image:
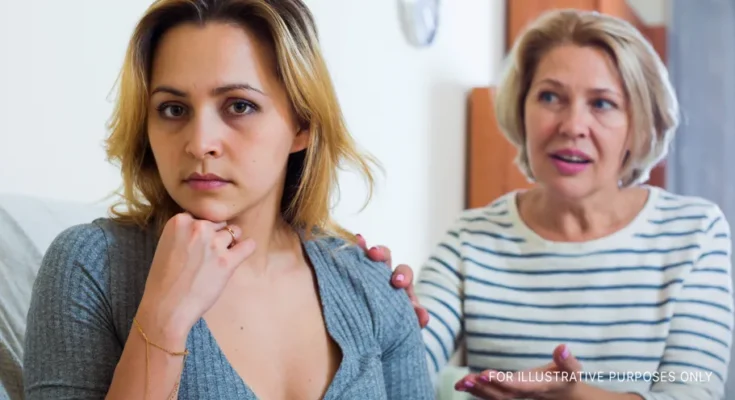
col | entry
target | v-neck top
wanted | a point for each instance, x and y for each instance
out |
(93, 276)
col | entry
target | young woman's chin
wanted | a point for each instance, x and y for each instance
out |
(211, 209)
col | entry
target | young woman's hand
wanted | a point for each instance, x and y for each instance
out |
(402, 277)
(193, 262)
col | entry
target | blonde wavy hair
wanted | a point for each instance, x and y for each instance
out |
(652, 104)
(289, 27)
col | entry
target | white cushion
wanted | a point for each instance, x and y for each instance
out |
(27, 227)
(43, 219)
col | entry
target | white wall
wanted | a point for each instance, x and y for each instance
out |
(405, 105)
(59, 62)
(652, 12)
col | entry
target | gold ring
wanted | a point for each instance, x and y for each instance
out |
(232, 233)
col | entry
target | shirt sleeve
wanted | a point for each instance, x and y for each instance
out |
(697, 354)
(405, 372)
(71, 348)
(439, 289)
(397, 330)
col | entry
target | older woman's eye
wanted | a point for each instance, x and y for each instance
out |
(240, 107)
(604, 104)
(547, 97)
(171, 111)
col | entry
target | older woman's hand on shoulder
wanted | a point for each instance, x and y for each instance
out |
(402, 277)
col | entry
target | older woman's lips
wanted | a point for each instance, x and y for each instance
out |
(570, 161)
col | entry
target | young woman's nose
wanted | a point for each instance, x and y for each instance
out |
(205, 135)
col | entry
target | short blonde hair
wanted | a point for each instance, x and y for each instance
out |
(652, 103)
(311, 174)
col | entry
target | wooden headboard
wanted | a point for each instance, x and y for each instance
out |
(490, 168)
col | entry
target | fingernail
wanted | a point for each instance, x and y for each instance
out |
(565, 353)
(484, 378)
(400, 278)
(469, 384)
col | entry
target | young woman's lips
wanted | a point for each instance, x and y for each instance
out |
(206, 182)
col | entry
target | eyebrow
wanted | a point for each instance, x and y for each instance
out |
(215, 92)
(556, 83)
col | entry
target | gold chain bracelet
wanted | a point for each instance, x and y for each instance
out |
(148, 343)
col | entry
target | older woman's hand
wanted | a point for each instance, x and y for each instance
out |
(554, 381)
(402, 277)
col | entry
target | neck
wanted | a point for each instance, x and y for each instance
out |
(272, 235)
(594, 216)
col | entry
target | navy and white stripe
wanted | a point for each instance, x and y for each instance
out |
(654, 297)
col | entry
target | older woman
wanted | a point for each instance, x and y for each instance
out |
(589, 270)
(218, 279)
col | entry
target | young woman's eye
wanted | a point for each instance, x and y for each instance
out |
(240, 107)
(171, 110)
(548, 97)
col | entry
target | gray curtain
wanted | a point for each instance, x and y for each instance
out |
(702, 66)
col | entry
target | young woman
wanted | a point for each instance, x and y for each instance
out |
(222, 276)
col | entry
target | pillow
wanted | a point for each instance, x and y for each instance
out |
(19, 263)
(28, 224)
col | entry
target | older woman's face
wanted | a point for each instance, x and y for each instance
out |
(220, 123)
(576, 121)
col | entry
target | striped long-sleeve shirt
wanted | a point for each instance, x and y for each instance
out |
(648, 309)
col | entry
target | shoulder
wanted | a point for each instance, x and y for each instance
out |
(349, 262)
(688, 225)
(91, 241)
(83, 242)
(496, 225)
(353, 274)
(670, 211)
(666, 200)
(84, 251)
(73, 272)
(498, 213)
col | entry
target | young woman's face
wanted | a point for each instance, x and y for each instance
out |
(576, 121)
(220, 123)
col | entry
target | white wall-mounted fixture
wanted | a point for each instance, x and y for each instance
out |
(419, 20)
